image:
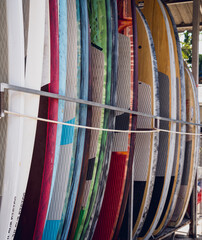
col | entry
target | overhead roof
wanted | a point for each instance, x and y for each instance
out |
(182, 12)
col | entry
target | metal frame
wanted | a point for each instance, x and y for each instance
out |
(5, 86)
(196, 22)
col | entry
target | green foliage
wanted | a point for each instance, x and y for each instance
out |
(186, 45)
(200, 65)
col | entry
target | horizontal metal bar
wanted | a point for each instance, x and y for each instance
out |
(168, 231)
(4, 86)
(1, 104)
(174, 2)
(187, 25)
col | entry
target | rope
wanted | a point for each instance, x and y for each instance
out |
(99, 129)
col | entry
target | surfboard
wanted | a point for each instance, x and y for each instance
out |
(106, 141)
(160, 29)
(58, 204)
(61, 106)
(25, 229)
(98, 24)
(84, 167)
(62, 83)
(82, 116)
(71, 133)
(127, 25)
(117, 172)
(180, 139)
(34, 67)
(97, 74)
(191, 151)
(12, 72)
(51, 128)
(112, 7)
(146, 155)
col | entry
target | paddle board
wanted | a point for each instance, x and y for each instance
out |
(28, 215)
(51, 127)
(55, 216)
(82, 116)
(106, 141)
(61, 106)
(191, 151)
(160, 29)
(12, 72)
(127, 25)
(180, 139)
(146, 155)
(71, 139)
(98, 24)
(84, 167)
(97, 74)
(111, 9)
(62, 83)
(34, 67)
(118, 166)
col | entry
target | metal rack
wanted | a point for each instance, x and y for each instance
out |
(3, 86)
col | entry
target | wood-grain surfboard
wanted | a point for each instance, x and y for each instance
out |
(191, 150)
(180, 139)
(146, 145)
(160, 29)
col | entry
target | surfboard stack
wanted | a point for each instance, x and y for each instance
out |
(60, 181)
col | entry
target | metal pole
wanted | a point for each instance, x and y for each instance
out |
(195, 71)
(195, 40)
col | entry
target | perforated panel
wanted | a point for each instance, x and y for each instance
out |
(120, 140)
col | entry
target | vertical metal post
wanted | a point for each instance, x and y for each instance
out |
(195, 40)
(195, 71)
(130, 208)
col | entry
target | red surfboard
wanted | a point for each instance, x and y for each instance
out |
(51, 128)
(128, 26)
(118, 181)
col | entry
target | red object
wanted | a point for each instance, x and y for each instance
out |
(120, 172)
(199, 197)
(126, 10)
(113, 197)
(51, 128)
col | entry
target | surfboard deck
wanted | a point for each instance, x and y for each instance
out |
(12, 72)
(61, 190)
(118, 167)
(84, 91)
(96, 75)
(34, 69)
(129, 28)
(180, 139)
(113, 21)
(146, 155)
(191, 151)
(52, 232)
(70, 134)
(51, 128)
(106, 141)
(25, 229)
(158, 23)
(97, 19)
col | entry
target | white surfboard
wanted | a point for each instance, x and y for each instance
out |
(11, 30)
(33, 79)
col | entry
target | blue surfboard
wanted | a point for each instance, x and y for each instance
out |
(82, 117)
